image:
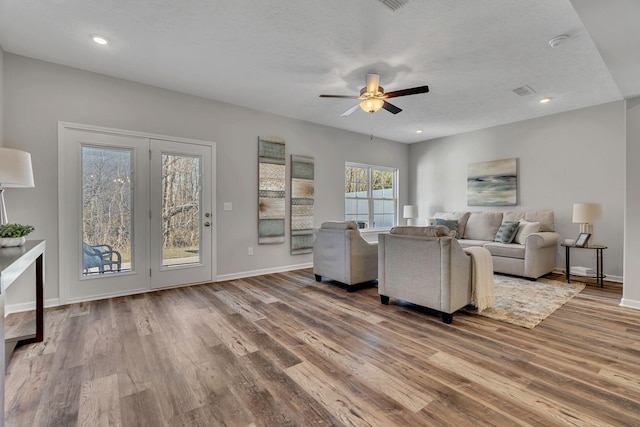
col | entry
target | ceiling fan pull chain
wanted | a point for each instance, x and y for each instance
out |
(371, 114)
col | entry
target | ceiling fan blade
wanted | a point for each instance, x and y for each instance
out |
(373, 82)
(405, 92)
(350, 110)
(391, 108)
(339, 96)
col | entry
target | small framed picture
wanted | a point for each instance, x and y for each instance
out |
(582, 240)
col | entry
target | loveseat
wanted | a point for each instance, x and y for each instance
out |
(528, 251)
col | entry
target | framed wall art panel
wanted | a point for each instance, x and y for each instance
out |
(302, 197)
(271, 190)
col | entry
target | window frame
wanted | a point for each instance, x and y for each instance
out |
(370, 198)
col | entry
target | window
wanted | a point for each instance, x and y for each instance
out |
(370, 195)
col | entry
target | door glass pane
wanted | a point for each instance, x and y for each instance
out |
(181, 195)
(107, 201)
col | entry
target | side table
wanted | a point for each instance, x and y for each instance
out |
(599, 262)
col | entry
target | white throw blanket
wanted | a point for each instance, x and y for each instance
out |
(481, 277)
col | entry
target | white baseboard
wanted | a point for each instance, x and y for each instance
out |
(29, 306)
(629, 303)
(55, 302)
(243, 274)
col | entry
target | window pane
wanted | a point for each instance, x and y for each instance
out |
(363, 207)
(380, 197)
(180, 210)
(382, 181)
(107, 201)
(356, 181)
(350, 207)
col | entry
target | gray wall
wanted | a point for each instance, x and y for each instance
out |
(563, 159)
(631, 294)
(39, 94)
(1, 97)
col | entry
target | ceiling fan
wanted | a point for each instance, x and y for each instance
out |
(373, 96)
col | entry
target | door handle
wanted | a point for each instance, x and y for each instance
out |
(207, 224)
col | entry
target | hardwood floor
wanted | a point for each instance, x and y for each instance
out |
(283, 350)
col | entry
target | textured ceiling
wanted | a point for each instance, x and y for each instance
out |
(278, 55)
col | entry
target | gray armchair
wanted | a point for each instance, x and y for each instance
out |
(433, 272)
(342, 254)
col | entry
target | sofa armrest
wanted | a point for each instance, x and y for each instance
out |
(542, 239)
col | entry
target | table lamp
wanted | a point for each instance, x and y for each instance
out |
(586, 214)
(15, 172)
(410, 213)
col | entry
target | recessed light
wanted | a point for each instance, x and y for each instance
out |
(99, 39)
(545, 100)
(419, 131)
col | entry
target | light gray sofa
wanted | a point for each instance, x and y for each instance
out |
(433, 272)
(342, 254)
(530, 255)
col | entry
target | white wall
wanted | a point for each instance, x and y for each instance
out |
(564, 158)
(39, 94)
(631, 294)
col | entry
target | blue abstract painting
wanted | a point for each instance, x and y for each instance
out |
(493, 183)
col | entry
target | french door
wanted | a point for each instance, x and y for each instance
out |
(181, 216)
(135, 212)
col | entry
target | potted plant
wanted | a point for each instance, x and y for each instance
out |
(14, 234)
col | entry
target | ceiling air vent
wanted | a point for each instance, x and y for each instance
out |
(394, 4)
(523, 91)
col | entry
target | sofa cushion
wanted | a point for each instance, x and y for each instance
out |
(507, 232)
(430, 231)
(545, 218)
(462, 218)
(483, 225)
(340, 225)
(506, 250)
(450, 224)
(468, 243)
(524, 229)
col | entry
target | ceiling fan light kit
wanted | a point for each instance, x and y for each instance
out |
(373, 96)
(372, 105)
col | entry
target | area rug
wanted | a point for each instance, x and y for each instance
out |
(526, 303)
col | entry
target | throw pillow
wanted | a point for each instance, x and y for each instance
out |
(524, 229)
(507, 232)
(451, 224)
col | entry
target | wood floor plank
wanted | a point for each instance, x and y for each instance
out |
(402, 392)
(100, 403)
(142, 410)
(240, 305)
(285, 350)
(513, 391)
(258, 294)
(341, 403)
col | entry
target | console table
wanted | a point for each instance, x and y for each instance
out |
(14, 262)
(599, 262)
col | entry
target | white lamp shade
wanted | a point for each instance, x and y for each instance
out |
(15, 169)
(410, 212)
(586, 213)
